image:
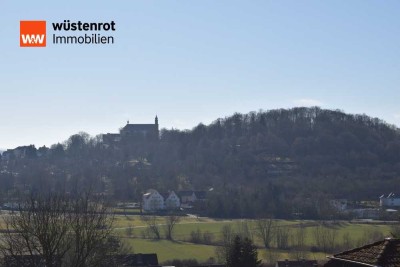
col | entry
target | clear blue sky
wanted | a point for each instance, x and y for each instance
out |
(195, 61)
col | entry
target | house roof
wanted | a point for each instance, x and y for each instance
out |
(167, 194)
(137, 259)
(199, 194)
(133, 260)
(149, 193)
(185, 193)
(300, 263)
(385, 253)
(23, 260)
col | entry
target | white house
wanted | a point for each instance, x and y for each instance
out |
(172, 200)
(152, 201)
(390, 201)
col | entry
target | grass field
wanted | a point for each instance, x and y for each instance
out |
(181, 248)
(167, 250)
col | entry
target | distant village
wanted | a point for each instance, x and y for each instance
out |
(389, 204)
(387, 209)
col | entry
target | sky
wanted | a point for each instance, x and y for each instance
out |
(195, 61)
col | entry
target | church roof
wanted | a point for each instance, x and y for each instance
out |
(139, 127)
(385, 253)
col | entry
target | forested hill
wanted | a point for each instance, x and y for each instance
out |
(275, 162)
(310, 149)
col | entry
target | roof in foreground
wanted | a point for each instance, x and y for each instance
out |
(297, 263)
(385, 253)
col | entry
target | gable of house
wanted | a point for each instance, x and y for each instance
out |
(152, 200)
(172, 200)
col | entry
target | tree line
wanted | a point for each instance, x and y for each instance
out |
(285, 163)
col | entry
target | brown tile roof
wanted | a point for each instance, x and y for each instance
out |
(385, 253)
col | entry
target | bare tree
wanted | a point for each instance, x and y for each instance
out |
(266, 230)
(227, 236)
(152, 225)
(282, 237)
(208, 237)
(299, 242)
(170, 222)
(244, 230)
(325, 237)
(91, 226)
(39, 227)
(369, 236)
(347, 241)
(57, 230)
(195, 236)
(129, 230)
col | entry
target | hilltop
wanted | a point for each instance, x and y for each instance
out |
(267, 162)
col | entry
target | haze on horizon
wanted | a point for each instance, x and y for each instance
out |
(192, 62)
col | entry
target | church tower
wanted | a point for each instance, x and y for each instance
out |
(156, 126)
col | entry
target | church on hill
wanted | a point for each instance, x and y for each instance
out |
(142, 129)
(149, 131)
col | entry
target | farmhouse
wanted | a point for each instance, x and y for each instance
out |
(152, 201)
(172, 200)
(390, 201)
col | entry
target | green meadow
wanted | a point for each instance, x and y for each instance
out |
(355, 234)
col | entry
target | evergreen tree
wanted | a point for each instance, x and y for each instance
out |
(242, 253)
(249, 254)
(234, 255)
